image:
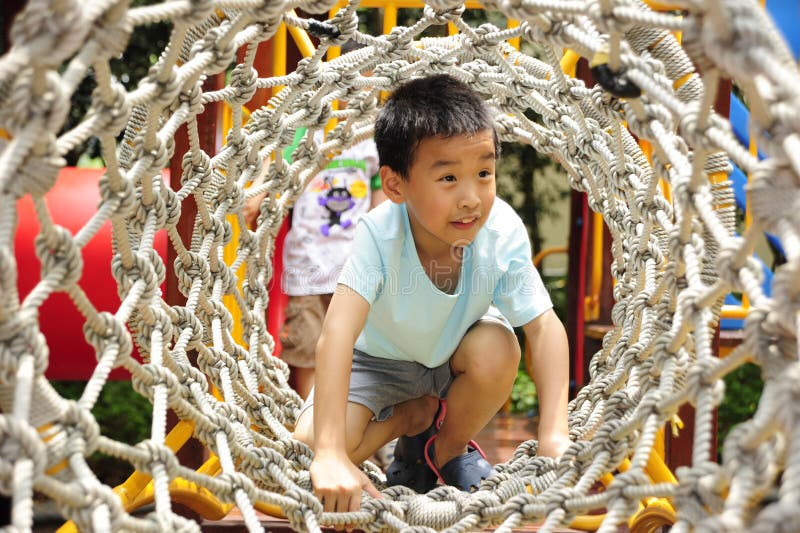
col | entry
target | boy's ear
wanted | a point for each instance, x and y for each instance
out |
(392, 184)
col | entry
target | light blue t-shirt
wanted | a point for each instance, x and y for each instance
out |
(410, 319)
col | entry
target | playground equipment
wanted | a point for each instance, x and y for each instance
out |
(674, 249)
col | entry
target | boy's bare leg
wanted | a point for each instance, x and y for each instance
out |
(485, 366)
(364, 435)
(302, 380)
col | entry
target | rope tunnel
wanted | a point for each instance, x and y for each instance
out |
(644, 143)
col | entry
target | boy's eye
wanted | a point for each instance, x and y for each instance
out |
(485, 173)
(449, 178)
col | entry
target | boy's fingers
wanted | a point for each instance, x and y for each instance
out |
(328, 502)
(355, 502)
(343, 504)
(370, 488)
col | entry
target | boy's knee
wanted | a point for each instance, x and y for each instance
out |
(304, 429)
(418, 414)
(495, 355)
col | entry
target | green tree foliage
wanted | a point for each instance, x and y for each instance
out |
(123, 415)
(743, 389)
(144, 47)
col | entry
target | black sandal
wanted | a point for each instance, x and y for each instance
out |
(465, 472)
(409, 467)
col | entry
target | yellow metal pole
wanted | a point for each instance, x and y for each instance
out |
(303, 42)
(569, 62)
(592, 308)
(389, 17)
(451, 29)
(279, 55)
(515, 42)
(538, 258)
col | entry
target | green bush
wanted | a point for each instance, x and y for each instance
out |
(743, 389)
(122, 414)
(523, 395)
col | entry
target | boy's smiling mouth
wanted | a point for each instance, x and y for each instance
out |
(466, 222)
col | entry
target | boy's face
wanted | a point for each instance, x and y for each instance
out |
(450, 190)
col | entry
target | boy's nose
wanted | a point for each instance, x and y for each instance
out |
(470, 199)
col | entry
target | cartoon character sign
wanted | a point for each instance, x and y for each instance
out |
(337, 200)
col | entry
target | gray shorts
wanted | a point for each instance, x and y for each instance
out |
(379, 384)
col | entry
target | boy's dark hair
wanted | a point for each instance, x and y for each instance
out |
(434, 106)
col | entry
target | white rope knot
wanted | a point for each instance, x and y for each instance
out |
(213, 360)
(105, 333)
(444, 11)
(216, 48)
(49, 32)
(20, 441)
(62, 262)
(140, 269)
(82, 429)
(156, 454)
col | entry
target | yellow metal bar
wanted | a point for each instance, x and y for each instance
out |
(658, 470)
(659, 447)
(131, 490)
(592, 304)
(187, 493)
(68, 527)
(333, 53)
(734, 311)
(652, 511)
(279, 55)
(389, 16)
(303, 42)
(655, 5)
(513, 23)
(655, 515)
(538, 258)
(569, 62)
(389, 22)
(647, 150)
(682, 80)
(748, 211)
(407, 4)
(587, 522)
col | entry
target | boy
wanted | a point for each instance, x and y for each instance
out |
(411, 318)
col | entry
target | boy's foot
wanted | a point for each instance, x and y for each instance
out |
(465, 472)
(409, 467)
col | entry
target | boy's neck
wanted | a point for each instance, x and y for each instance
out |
(443, 269)
(440, 260)
(445, 255)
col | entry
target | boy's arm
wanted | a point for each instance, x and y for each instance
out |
(550, 365)
(252, 206)
(336, 480)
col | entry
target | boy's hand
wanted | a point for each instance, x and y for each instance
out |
(553, 445)
(338, 483)
(251, 209)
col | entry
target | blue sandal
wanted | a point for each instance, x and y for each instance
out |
(410, 467)
(465, 472)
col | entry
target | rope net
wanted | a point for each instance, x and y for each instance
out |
(673, 260)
